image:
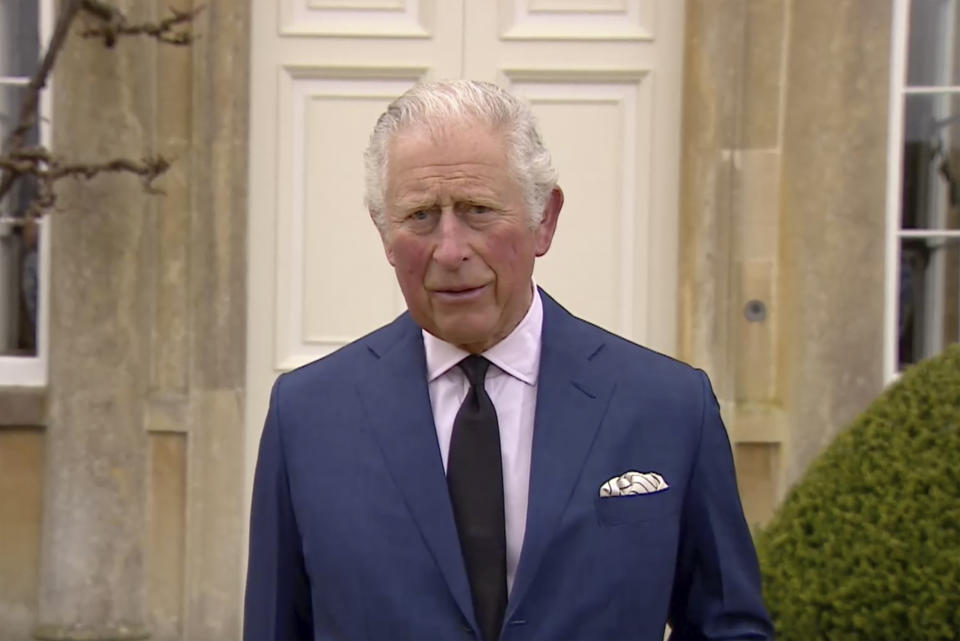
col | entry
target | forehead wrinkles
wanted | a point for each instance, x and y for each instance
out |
(449, 163)
(448, 182)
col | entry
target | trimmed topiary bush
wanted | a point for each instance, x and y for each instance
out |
(867, 545)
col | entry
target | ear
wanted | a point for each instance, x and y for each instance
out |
(387, 248)
(548, 225)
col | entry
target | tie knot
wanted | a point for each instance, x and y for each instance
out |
(475, 367)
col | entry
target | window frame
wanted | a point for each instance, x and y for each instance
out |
(31, 371)
(900, 91)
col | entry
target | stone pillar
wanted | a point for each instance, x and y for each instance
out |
(833, 202)
(782, 215)
(143, 528)
(92, 555)
(729, 304)
(217, 298)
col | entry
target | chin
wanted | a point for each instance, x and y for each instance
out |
(461, 338)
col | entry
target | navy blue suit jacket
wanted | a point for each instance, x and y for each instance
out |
(352, 533)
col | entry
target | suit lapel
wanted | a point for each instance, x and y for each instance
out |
(572, 396)
(398, 404)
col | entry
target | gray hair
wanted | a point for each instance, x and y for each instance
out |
(434, 105)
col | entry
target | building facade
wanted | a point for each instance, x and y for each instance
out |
(733, 170)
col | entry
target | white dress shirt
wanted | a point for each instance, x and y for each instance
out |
(511, 384)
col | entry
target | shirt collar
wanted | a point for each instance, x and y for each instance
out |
(518, 354)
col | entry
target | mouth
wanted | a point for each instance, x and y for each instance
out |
(458, 294)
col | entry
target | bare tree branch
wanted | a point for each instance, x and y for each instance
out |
(17, 161)
(28, 109)
(39, 163)
(170, 30)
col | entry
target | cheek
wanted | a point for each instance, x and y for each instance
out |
(409, 259)
(510, 257)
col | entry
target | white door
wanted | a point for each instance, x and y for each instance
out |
(604, 77)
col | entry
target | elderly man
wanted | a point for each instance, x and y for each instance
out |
(488, 466)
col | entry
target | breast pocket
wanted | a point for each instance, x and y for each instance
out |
(637, 508)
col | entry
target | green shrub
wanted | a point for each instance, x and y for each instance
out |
(867, 545)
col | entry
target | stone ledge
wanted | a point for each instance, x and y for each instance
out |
(23, 406)
(83, 633)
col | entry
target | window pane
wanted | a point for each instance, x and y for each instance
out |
(18, 249)
(931, 162)
(931, 56)
(929, 304)
(19, 41)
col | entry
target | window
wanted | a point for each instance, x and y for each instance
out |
(24, 26)
(923, 194)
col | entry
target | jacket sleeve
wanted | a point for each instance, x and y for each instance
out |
(277, 601)
(716, 593)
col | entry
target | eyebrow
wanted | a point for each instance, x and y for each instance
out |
(416, 202)
(424, 200)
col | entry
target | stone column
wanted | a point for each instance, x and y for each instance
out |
(217, 299)
(782, 223)
(92, 554)
(729, 304)
(832, 212)
(143, 529)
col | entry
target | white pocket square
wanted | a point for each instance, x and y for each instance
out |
(630, 483)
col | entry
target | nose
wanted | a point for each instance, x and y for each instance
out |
(452, 248)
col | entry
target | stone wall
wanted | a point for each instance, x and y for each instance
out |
(782, 222)
(138, 525)
(22, 413)
(140, 452)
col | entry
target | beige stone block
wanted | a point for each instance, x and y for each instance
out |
(170, 338)
(732, 75)
(21, 495)
(166, 413)
(762, 73)
(214, 525)
(705, 254)
(217, 243)
(755, 347)
(173, 124)
(713, 56)
(170, 335)
(758, 423)
(755, 211)
(757, 474)
(174, 75)
(166, 535)
(23, 406)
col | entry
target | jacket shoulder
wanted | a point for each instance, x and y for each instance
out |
(636, 358)
(347, 362)
(631, 360)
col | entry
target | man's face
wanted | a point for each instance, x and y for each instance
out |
(458, 234)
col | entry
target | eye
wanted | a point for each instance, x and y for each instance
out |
(422, 215)
(480, 209)
(421, 220)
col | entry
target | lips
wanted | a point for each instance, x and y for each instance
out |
(457, 290)
(458, 293)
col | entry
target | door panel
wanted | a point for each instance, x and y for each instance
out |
(592, 264)
(327, 249)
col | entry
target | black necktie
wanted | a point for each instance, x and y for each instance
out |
(475, 479)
